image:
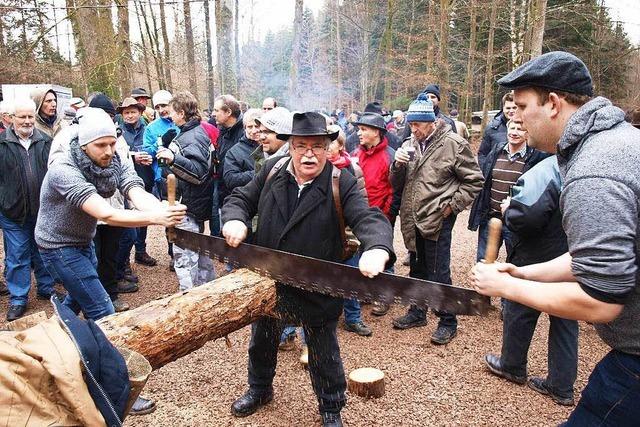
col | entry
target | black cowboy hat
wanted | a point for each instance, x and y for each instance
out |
(373, 120)
(308, 124)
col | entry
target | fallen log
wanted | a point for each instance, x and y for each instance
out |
(168, 328)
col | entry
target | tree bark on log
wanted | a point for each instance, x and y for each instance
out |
(168, 328)
(367, 382)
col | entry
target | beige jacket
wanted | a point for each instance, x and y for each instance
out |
(447, 173)
(41, 377)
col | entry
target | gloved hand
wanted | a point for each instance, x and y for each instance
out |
(168, 137)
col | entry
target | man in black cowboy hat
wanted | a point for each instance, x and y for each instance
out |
(297, 215)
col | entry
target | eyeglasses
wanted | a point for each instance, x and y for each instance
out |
(267, 108)
(303, 149)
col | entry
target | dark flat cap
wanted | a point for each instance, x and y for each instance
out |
(558, 70)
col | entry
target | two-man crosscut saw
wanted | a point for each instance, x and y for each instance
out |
(331, 278)
(335, 279)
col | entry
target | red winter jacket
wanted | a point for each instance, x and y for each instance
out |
(375, 164)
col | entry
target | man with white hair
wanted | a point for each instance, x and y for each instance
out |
(6, 115)
(24, 152)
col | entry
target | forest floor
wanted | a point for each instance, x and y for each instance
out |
(425, 384)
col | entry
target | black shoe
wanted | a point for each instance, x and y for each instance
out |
(3, 289)
(15, 312)
(129, 275)
(145, 259)
(60, 295)
(538, 384)
(409, 320)
(359, 328)
(330, 419)
(443, 335)
(172, 264)
(142, 406)
(379, 308)
(125, 287)
(495, 366)
(250, 402)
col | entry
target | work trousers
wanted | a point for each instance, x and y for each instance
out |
(107, 243)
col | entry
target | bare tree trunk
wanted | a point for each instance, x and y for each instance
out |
(465, 106)
(383, 49)
(156, 41)
(166, 46)
(538, 13)
(224, 29)
(236, 46)
(429, 58)
(488, 75)
(207, 32)
(443, 57)
(144, 48)
(155, 54)
(296, 53)
(338, 53)
(191, 56)
(410, 39)
(166, 329)
(125, 63)
(219, 38)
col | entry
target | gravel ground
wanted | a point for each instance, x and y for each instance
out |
(425, 384)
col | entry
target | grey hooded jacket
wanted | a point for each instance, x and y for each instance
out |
(598, 156)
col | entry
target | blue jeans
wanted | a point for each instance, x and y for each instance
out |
(352, 309)
(562, 359)
(483, 234)
(214, 224)
(432, 261)
(21, 253)
(612, 394)
(141, 240)
(76, 266)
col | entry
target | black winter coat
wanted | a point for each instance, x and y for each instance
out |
(191, 167)
(494, 134)
(308, 226)
(482, 204)
(534, 216)
(20, 186)
(239, 164)
(228, 138)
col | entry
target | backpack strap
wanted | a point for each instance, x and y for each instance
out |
(335, 187)
(279, 164)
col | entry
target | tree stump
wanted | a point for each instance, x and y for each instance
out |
(367, 382)
(168, 328)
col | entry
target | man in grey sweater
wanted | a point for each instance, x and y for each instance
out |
(597, 280)
(73, 200)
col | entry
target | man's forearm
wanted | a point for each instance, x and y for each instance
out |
(556, 270)
(567, 300)
(142, 200)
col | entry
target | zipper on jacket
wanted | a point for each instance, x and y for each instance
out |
(87, 370)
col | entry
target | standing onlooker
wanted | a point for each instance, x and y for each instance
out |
(239, 164)
(188, 158)
(47, 119)
(461, 127)
(226, 110)
(503, 166)
(141, 95)
(353, 141)
(533, 216)
(269, 104)
(24, 152)
(433, 93)
(6, 115)
(496, 132)
(439, 177)
(271, 124)
(152, 141)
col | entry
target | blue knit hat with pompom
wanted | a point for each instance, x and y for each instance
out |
(421, 110)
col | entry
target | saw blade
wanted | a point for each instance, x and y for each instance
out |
(335, 279)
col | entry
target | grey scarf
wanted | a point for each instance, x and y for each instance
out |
(105, 180)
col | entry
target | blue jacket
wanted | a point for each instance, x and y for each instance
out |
(134, 135)
(534, 216)
(494, 134)
(152, 132)
(481, 205)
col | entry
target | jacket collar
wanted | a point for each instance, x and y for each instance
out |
(374, 150)
(10, 135)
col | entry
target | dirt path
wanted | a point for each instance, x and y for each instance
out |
(426, 384)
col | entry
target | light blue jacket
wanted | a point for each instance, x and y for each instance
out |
(152, 132)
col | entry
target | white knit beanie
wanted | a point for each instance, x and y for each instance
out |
(162, 97)
(94, 123)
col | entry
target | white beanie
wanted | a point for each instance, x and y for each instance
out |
(278, 120)
(94, 123)
(162, 97)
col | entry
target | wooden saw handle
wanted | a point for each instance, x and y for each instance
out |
(493, 241)
(171, 189)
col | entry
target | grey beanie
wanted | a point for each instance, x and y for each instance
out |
(94, 123)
